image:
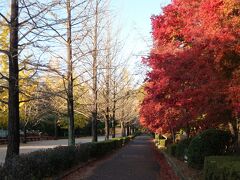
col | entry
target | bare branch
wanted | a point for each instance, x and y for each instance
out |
(3, 77)
(5, 18)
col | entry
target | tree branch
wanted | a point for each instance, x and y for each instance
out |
(5, 52)
(5, 18)
(3, 77)
(4, 102)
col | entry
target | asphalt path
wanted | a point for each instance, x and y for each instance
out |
(135, 161)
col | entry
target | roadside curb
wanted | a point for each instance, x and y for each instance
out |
(174, 166)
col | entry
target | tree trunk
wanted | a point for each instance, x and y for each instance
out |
(13, 90)
(70, 101)
(238, 136)
(113, 125)
(94, 110)
(108, 91)
(173, 135)
(94, 127)
(108, 74)
(233, 127)
(131, 130)
(107, 125)
(56, 129)
(128, 133)
(108, 103)
(188, 131)
(114, 112)
(123, 131)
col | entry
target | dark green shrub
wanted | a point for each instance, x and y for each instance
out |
(126, 139)
(39, 164)
(50, 162)
(208, 143)
(168, 142)
(98, 149)
(58, 156)
(2, 172)
(118, 142)
(83, 152)
(137, 133)
(182, 147)
(222, 167)
(171, 149)
(21, 167)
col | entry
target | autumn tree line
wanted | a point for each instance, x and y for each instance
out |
(194, 81)
(61, 64)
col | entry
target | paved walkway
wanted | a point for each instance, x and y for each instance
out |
(136, 161)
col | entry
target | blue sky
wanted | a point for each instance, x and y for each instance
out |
(133, 16)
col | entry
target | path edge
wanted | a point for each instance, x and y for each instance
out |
(174, 166)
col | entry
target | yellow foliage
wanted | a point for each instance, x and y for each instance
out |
(29, 85)
(4, 36)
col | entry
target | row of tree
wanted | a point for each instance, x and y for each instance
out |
(195, 61)
(60, 59)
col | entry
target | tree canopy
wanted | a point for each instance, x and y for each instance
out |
(194, 79)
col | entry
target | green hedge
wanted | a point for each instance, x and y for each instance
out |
(2, 172)
(222, 168)
(182, 148)
(137, 133)
(208, 143)
(100, 148)
(171, 149)
(50, 162)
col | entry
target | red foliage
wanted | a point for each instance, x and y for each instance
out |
(195, 61)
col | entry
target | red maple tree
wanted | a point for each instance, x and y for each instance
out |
(194, 79)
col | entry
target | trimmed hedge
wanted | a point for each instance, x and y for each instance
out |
(50, 162)
(2, 172)
(97, 149)
(137, 133)
(171, 149)
(182, 148)
(208, 143)
(222, 167)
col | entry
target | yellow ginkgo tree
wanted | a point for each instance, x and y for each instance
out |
(4, 35)
(28, 86)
